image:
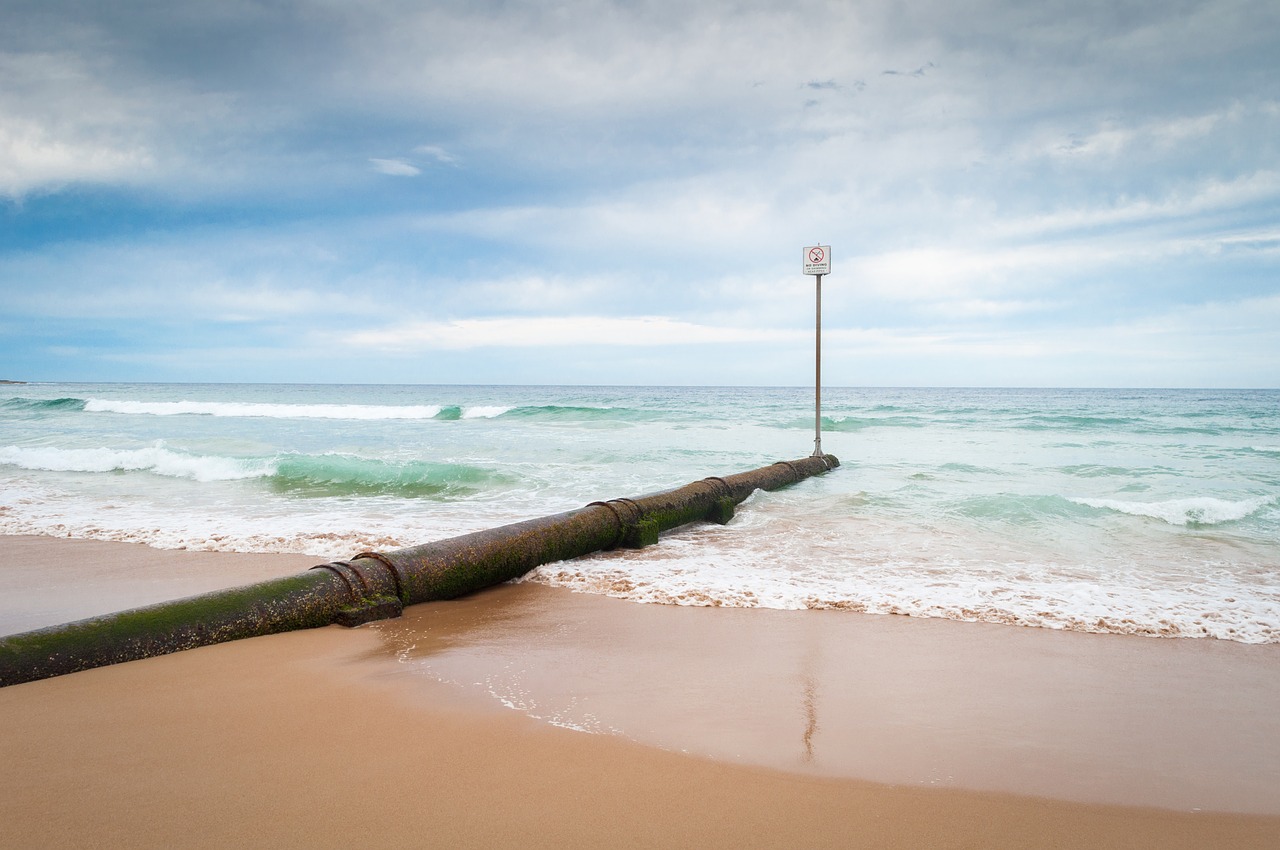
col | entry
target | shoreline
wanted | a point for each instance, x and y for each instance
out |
(309, 738)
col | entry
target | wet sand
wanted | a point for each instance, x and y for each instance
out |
(1180, 724)
(381, 735)
(47, 581)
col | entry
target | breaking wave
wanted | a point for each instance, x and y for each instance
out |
(1198, 511)
(263, 410)
(154, 459)
(329, 474)
(362, 412)
(43, 404)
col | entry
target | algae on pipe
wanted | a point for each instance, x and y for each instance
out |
(377, 585)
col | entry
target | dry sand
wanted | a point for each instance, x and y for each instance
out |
(339, 737)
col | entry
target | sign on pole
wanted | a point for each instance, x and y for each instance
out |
(817, 262)
(817, 259)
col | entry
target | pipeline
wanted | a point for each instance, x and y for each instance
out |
(377, 585)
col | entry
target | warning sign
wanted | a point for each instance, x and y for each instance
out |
(817, 259)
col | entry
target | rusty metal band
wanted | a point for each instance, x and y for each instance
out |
(396, 578)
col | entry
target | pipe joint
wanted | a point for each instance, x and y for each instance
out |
(723, 503)
(634, 530)
(373, 589)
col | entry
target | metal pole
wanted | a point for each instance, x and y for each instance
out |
(817, 376)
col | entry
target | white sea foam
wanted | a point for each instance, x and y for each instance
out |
(263, 410)
(278, 538)
(333, 528)
(326, 533)
(484, 412)
(1218, 605)
(1203, 510)
(154, 459)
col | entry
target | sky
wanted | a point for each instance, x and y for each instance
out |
(1069, 193)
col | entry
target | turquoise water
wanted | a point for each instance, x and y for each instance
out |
(1135, 511)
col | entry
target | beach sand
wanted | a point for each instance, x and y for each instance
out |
(396, 734)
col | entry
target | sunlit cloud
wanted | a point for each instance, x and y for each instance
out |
(32, 159)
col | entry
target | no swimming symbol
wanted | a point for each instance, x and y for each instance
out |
(817, 259)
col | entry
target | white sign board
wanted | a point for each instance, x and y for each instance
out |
(817, 259)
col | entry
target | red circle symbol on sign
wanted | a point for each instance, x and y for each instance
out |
(816, 255)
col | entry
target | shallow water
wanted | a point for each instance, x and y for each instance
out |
(1133, 511)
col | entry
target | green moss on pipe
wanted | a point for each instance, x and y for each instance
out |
(295, 602)
(376, 585)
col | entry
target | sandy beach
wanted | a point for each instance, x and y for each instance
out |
(462, 725)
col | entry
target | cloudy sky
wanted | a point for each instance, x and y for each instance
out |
(1070, 193)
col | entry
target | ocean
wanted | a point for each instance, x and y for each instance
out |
(1150, 512)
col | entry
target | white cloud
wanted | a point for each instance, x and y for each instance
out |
(233, 276)
(59, 124)
(545, 331)
(969, 279)
(267, 300)
(31, 158)
(1143, 137)
(1215, 344)
(537, 293)
(437, 153)
(395, 167)
(1264, 240)
(1188, 198)
(1222, 321)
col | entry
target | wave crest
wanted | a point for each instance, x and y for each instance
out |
(154, 459)
(324, 475)
(40, 404)
(350, 475)
(1198, 511)
(263, 410)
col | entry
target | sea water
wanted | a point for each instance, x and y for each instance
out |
(1152, 512)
